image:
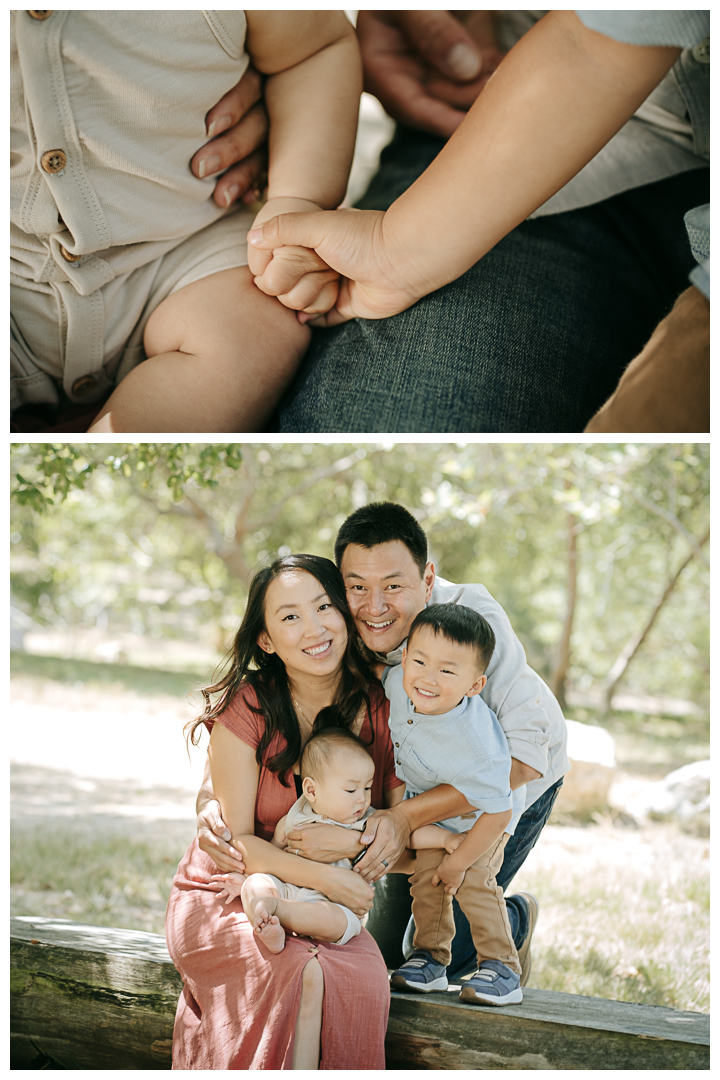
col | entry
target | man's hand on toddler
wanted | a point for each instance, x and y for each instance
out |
(228, 885)
(447, 875)
(354, 244)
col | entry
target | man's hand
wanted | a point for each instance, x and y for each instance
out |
(450, 875)
(353, 243)
(426, 67)
(323, 843)
(386, 834)
(344, 887)
(242, 148)
(213, 835)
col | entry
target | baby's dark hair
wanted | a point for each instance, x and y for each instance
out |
(320, 748)
(459, 624)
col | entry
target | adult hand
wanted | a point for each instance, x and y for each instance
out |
(386, 835)
(242, 148)
(213, 835)
(323, 843)
(667, 387)
(426, 67)
(344, 887)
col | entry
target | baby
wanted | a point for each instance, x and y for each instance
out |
(125, 273)
(337, 774)
(444, 733)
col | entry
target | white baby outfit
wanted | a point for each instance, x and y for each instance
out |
(301, 813)
(107, 220)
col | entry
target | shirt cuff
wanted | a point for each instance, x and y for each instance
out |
(528, 753)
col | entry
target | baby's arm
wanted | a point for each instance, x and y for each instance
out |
(312, 93)
(434, 836)
(279, 835)
(558, 96)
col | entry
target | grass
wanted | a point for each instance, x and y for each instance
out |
(105, 677)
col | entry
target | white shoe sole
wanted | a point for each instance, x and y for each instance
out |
(469, 993)
(399, 982)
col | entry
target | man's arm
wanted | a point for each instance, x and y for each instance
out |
(388, 831)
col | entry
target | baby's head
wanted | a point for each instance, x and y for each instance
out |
(337, 773)
(448, 648)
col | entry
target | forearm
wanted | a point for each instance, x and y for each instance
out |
(313, 110)
(206, 793)
(437, 804)
(485, 832)
(260, 856)
(520, 774)
(427, 836)
(560, 94)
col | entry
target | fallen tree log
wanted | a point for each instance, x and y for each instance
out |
(93, 997)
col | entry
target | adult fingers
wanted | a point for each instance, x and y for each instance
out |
(245, 181)
(442, 41)
(235, 144)
(235, 104)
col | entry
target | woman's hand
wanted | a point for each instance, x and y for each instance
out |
(323, 843)
(344, 887)
(354, 244)
(242, 148)
(213, 835)
(426, 67)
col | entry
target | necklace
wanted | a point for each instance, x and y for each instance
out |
(300, 713)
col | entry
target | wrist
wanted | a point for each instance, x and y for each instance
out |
(409, 257)
(286, 204)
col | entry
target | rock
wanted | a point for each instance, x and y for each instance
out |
(682, 796)
(592, 766)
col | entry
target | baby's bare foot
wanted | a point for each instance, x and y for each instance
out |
(267, 925)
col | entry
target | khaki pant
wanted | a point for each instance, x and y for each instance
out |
(481, 900)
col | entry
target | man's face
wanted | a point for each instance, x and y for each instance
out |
(385, 592)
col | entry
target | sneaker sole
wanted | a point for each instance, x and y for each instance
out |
(468, 993)
(399, 982)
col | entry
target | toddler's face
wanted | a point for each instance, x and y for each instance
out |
(343, 792)
(438, 674)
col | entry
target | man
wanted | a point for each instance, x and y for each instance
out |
(381, 551)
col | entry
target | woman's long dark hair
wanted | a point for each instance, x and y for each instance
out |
(265, 672)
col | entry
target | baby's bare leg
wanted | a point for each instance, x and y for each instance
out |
(259, 897)
(220, 355)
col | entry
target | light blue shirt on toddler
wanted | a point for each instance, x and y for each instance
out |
(465, 747)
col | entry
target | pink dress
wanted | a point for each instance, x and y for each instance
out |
(239, 1003)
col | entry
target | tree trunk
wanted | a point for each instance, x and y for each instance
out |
(619, 668)
(562, 659)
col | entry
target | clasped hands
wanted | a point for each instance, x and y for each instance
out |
(329, 266)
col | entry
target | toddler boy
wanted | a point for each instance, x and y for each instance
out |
(444, 733)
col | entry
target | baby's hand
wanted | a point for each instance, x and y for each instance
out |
(298, 277)
(448, 876)
(453, 841)
(228, 885)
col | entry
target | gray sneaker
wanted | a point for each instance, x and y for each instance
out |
(419, 972)
(493, 984)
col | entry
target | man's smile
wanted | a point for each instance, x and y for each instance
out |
(378, 625)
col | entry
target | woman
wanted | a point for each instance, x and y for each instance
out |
(295, 666)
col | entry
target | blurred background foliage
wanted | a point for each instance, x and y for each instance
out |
(598, 552)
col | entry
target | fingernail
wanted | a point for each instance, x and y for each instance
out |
(222, 123)
(255, 236)
(231, 194)
(209, 165)
(463, 61)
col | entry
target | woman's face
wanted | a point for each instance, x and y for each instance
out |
(308, 634)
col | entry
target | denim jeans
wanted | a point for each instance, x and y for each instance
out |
(532, 338)
(389, 917)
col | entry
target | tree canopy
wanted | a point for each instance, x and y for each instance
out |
(598, 552)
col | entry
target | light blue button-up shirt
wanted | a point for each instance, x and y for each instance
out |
(465, 747)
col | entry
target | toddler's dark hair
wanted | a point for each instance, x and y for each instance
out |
(320, 748)
(459, 624)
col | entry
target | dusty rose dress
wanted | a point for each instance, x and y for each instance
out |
(239, 1003)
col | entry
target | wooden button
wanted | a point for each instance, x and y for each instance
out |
(54, 161)
(40, 15)
(68, 255)
(409, 721)
(84, 385)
